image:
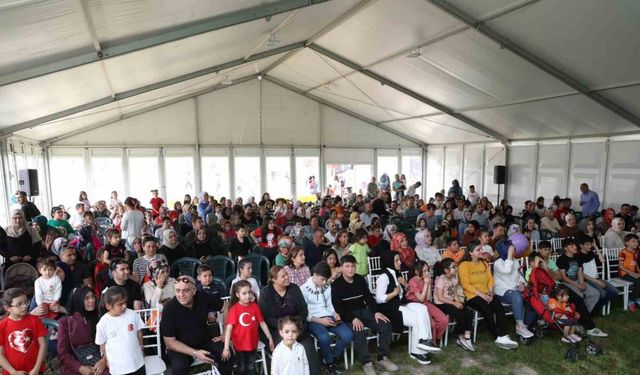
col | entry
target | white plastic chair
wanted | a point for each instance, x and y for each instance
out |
(374, 264)
(333, 337)
(154, 365)
(612, 257)
(372, 280)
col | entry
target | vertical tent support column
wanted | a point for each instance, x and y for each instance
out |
(232, 175)
(163, 175)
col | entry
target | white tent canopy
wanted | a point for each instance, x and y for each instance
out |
(467, 81)
(437, 71)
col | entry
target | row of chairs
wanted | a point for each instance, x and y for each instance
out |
(223, 267)
(607, 271)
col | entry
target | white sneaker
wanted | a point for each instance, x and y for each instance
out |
(469, 345)
(524, 332)
(575, 338)
(504, 342)
(596, 332)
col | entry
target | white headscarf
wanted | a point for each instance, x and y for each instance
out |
(16, 231)
(387, 232)
(165, 238)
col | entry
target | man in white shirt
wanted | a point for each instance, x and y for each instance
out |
(368, 215)
(473, 197)
(77, 219)
(481, 217)
(458, 213)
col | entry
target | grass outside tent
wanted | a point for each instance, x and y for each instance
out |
(621, 354)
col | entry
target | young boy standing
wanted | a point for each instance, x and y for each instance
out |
(629, 269)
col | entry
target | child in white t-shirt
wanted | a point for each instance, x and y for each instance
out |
(48, 288)
(289, 358)
(119, 334)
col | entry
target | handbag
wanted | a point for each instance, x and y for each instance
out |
(87, 355)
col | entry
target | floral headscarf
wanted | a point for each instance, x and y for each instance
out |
(155, 267)
(387, 232)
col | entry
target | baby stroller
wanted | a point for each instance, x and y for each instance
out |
(541, 284)
(21, 275)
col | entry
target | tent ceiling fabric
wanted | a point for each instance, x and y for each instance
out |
(467, 74)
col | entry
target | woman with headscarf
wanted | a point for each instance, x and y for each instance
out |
(78, 329)
(160, 288)
(400, 245)
(171, 247)
(614, 238)
(425, 251)
(202, 247)
(42, 226)
(455, 188)
(391, 293)
(23, 241)
(354, 222)
(384, 245)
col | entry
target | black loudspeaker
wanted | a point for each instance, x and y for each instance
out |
(499, 174)
(28, 181)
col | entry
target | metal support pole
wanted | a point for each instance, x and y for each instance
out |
(125, 172)
(232, 175)
(568, 174)
(535, 171)
(605, 171)
(197, 164)
(162, 174)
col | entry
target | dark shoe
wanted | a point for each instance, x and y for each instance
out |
(423, 359)
(331, 369)
(428, 345)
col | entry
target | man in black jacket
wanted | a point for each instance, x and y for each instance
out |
(30, 210)
(354, 303)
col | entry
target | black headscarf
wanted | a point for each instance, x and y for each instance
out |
(75, 304)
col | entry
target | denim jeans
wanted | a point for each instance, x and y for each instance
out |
(607, 293)
(321, 333)
(520, 310)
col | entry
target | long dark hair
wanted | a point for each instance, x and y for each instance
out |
(111, 296)
(265, 227)
(467, 252)
(236, 289)
(439, 267)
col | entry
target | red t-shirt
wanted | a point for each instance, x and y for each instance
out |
(19, 340)
(245, 321)
(272, 237)
(156, 203)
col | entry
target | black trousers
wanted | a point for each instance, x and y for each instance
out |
(463, 317)
(493, 314)
(246, 363)
(180, 363)
(140, 371)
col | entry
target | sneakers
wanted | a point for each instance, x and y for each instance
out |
(368, 369)
(504, 342)
(566, 340)
(465, 344)
(524, 332)
(575, 338)
(469, 345)
(423, 359)
(387, 365)
(632, 307)
(596, 332)
(428, 345)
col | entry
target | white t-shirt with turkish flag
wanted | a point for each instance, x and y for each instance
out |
(120, 334)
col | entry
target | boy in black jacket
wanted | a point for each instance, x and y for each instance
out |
(354, 303)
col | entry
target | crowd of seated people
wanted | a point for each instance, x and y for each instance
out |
(103, 260)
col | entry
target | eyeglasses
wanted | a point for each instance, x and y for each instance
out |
(21, 304)
(186, 279)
